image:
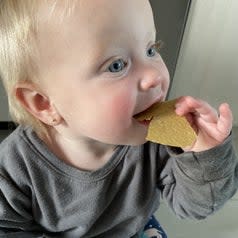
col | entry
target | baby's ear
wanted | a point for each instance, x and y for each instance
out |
(37, 103)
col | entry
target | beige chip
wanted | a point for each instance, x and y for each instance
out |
(166, 127)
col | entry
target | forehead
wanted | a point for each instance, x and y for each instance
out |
(88, 26)
(97, 16)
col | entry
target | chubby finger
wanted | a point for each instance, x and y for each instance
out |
(199, 108)
(225, 121)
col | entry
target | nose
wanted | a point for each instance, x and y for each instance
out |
(149, 78)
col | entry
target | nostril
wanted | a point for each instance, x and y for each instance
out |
(148, 83)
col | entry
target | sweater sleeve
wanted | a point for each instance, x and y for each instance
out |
(196, 185)
(15, 211)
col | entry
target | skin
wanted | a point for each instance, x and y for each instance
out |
(90, 110)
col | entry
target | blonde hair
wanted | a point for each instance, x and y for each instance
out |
(18, 50)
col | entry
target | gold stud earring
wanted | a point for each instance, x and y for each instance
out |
(54, 122)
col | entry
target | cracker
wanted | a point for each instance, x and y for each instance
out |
(166, 127)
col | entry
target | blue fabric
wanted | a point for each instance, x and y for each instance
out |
(153, 229)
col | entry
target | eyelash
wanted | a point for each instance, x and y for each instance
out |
(156, 46)
(159, 44)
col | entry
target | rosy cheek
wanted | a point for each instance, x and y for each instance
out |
(121, 109)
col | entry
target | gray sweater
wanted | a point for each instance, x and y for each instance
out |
(41, 196)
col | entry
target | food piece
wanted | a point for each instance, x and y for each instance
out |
(166, 127)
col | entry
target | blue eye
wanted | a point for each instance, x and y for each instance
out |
(117, 66)
(154, 49)
(151, 52)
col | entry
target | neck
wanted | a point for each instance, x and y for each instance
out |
(85, 154)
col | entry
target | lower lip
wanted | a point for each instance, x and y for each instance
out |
(145, 122)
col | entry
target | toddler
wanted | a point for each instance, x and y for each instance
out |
(76, 73)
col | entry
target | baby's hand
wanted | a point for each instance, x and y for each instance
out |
(211, 128)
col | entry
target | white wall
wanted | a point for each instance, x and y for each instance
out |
(208, 68)
(208, 62)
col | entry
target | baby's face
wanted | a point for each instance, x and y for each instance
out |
(99, 68)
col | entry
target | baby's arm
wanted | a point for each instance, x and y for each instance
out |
(212, 128)
(199, 182)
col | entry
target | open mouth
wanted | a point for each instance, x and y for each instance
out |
(145, 122)
(143, 118)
